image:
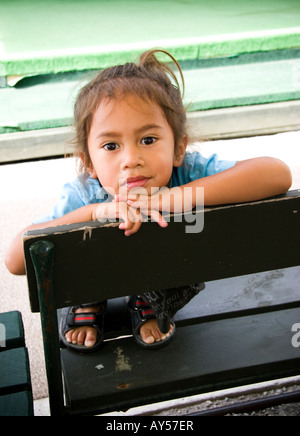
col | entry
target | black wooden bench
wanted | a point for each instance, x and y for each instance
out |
(15, 381)
(90, 262)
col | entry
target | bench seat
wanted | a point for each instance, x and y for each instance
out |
(216, 353)
(15, 379)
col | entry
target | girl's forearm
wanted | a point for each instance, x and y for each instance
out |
(249, 180)
(14, 259)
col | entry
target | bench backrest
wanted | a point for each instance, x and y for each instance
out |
(86, 262)
(95, 261)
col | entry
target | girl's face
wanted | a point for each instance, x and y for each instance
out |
(131, 145)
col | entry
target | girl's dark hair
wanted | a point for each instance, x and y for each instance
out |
(149, 79)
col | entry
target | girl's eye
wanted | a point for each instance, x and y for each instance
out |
(148, 140)
(112, 146)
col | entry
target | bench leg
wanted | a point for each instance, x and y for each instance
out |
(42, 255)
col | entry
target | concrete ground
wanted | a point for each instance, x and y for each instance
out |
(29, 190)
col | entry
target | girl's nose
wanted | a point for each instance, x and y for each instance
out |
(132, 157)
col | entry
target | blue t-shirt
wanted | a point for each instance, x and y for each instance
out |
(85, 190)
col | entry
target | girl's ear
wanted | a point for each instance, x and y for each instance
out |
(180, 151)
(88, 166)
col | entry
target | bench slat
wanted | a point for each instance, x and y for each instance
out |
(14, 371)
(19, 404)
(213, 355)
(14, 330)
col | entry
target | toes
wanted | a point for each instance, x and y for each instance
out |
(91, 338)
(82, 336)
(75, 336)
(71, 337)
(150, 332)
(148, 339)
(68, 336)
(148, 336)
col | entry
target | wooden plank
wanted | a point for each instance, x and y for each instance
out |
(218, 354)
(236, 240)
(19, 404)
(14, 330)
(14, 371)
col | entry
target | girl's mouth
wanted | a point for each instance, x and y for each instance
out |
(136, 182)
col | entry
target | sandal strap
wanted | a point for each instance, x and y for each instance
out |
(89, 319)
(140, 312)
(142, 309)
(145, 309)
(82, 319)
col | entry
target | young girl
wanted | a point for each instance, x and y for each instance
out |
(131, 140)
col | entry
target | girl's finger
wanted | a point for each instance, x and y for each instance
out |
(130, 217)
(124, 197)
(139, 204)
(134, 228)
(158, 218)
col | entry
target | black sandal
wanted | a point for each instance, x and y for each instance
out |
(71, 320)
(140, 313)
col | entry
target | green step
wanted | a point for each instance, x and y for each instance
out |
(47, 101)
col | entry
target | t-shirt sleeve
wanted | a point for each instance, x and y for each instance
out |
(195, 166)
(69, 201)
(214, 166)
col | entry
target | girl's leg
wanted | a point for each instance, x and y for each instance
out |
(167, 303)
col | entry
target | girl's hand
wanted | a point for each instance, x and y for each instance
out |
(146, 205)
(177, 200)
(113, 211)
(132, 217)
(163, 200)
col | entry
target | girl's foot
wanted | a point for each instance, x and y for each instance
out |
(87, 336)
(84, 335)
(81, 327)
(150, 332)
(145, 325)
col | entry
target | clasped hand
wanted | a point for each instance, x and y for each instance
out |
(133, 207)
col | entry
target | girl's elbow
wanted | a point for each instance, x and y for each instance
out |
(278, 173)
(286, 178)
(15, 268)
